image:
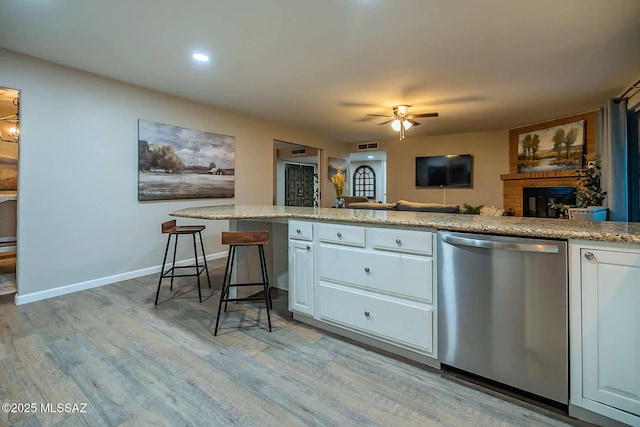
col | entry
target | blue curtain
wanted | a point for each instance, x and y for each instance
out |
(612, 146)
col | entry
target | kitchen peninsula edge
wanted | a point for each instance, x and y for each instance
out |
(605, 231)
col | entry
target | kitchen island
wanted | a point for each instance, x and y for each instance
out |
(371, 275)
(605, 231)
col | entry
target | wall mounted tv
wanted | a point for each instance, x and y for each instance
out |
(444, 171)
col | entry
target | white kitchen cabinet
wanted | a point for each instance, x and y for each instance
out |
(378, 282)
(605, 332)
(301, 268)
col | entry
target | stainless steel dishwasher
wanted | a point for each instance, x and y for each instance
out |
(502, 310)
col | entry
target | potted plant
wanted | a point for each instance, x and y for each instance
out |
(589, 194)
(338, 180)
(473, 210)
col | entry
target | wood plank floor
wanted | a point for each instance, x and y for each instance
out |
(7, 273)
(135, 364)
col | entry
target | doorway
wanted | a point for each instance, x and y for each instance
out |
(9, 139)
(369, 175)
(296, 180)
(299, 184)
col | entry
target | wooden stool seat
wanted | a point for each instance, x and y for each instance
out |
(244, 238)
(170, 228)
(186, 229)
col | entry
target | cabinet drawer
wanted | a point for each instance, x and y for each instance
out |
(341, 234)
(415, 242)
(391, 320)
(407, 276)
(300, 230)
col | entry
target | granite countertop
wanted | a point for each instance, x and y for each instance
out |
(503, 225)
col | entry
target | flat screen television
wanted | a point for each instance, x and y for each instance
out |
(444, 171)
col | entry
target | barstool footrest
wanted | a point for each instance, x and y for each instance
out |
(245, 284)
(259, 298)
(170, 272)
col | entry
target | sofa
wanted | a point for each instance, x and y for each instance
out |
(403, 205)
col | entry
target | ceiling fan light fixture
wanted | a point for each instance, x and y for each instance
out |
(395, 125)
(407, 125)
(403, 110)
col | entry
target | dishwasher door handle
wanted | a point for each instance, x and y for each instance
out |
(492, 244)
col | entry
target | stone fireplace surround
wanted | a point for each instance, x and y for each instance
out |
(514, 182)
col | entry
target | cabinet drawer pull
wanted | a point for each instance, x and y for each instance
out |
(398, 242)
(308, 247)
(339, 235)
(589, 256)
(366, 314)
(298, 231)
(367, 270)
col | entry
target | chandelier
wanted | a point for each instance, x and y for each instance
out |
(13, 120)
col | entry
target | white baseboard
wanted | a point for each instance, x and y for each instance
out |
(94, 283)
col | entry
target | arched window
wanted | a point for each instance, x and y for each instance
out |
(364, 182)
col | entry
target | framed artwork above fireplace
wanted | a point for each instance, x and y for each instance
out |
(551, 149)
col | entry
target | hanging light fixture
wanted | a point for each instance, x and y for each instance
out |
(13, 119)
(402, 120)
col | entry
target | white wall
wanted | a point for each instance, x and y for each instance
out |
(490, 152)
(79, 221)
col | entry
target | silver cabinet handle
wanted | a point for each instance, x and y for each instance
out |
(398, 242)
(298, 231)
(493, 244)
(366, 314)
(589, 256)
(339, 235)
(367, 270)
(308, 247)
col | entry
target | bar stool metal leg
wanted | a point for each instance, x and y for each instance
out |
(265, 283)
(204, 257)
(164, 260)
(173, 264)
(195, 251)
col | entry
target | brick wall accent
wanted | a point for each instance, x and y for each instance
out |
(514, 182)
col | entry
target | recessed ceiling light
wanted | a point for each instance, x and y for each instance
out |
(369, 157)
(200, 57)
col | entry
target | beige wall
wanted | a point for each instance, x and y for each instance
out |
(79, 221)
(490, 152)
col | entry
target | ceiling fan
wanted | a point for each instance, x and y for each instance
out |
(401, 120)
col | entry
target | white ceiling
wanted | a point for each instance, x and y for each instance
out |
(324, 64)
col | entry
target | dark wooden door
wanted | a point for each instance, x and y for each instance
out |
(298, 185)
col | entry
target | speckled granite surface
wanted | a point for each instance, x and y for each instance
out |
(513, 226)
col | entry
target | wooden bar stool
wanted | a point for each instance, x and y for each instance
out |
(171, 229)
(244, 238)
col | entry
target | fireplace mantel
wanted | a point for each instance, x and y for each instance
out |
(538, 175)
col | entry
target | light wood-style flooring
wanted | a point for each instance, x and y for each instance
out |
(8, 273)
(135, 364)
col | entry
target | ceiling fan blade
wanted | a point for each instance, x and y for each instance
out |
(384, 123)
(425, 115)
(379, 115)
(413, 122)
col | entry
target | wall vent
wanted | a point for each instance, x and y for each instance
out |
(299, 151)
(368, 146)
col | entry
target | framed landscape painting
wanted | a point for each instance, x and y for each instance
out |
(555, 148)
(180, 163)
(334, 164)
